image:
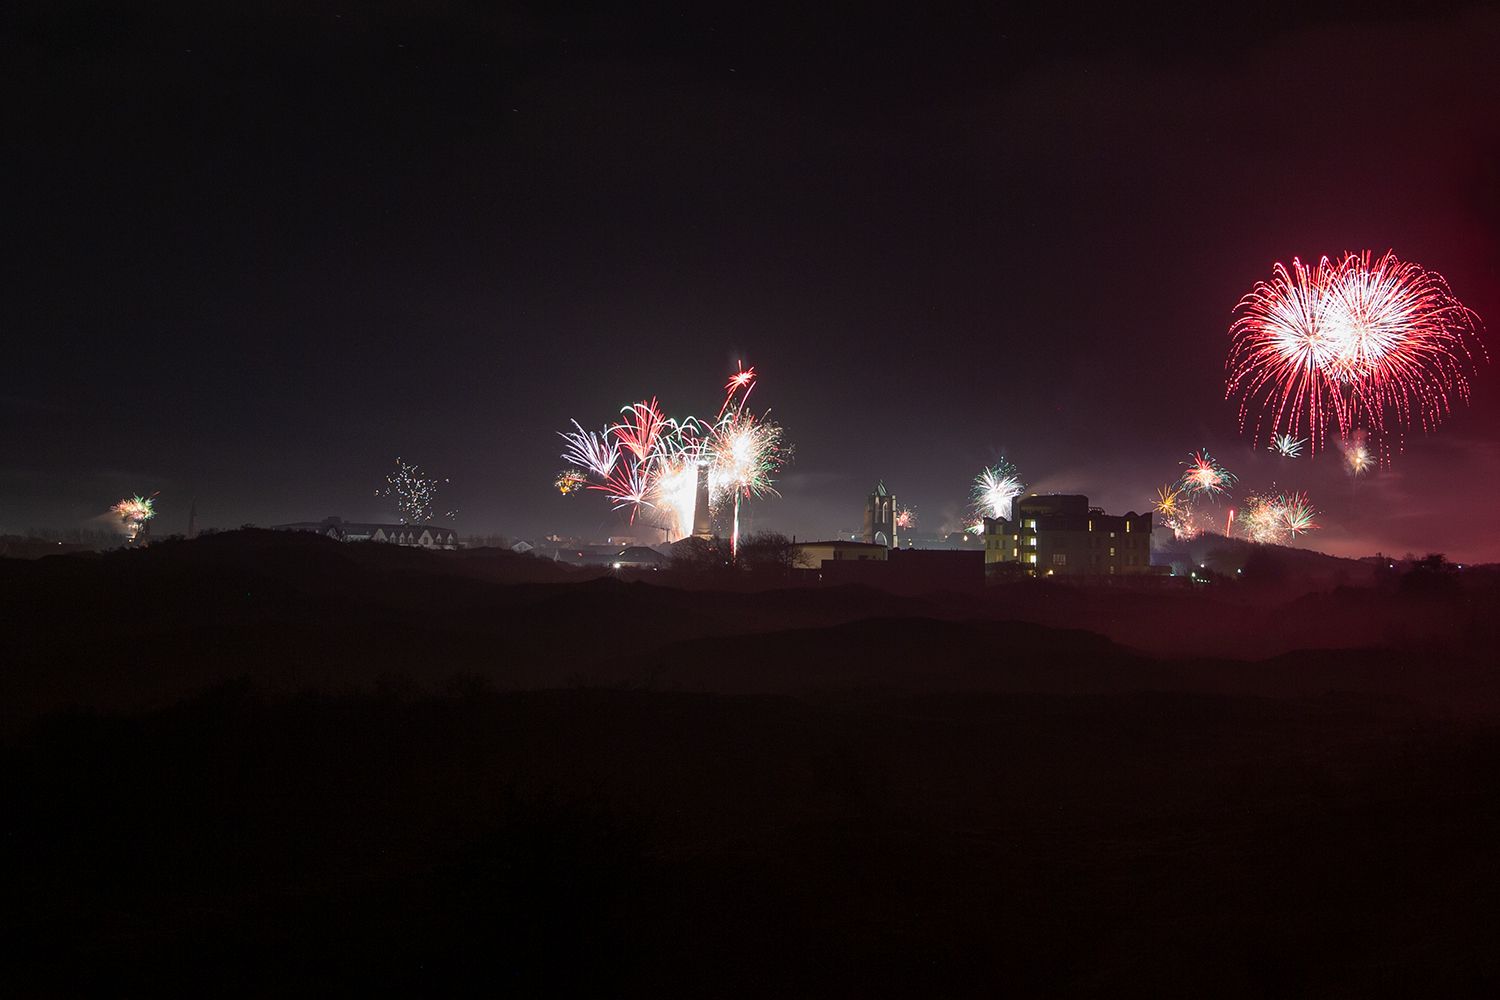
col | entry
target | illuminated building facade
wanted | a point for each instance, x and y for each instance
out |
(424, 536)
(1061, 535)
(813, 555)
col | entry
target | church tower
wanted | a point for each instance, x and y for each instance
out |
(880, 517)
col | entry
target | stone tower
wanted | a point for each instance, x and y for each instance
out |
(880, 517)
(703, 522)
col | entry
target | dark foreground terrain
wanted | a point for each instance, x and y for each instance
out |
(262, 764)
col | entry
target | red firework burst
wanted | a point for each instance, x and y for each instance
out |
(1381, 344)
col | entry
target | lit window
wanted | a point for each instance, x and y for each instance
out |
(1091, 525)
(1111, 551)
(1127, 527)
(1059, 559)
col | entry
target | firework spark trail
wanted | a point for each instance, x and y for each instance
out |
(413, 492)
(995, 490)
(1381, 344)
(1205, 476)
(590, 450)
(641, 430)
(628, 485)
(742, 379)
(906, 518)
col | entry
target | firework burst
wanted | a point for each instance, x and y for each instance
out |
(1274, 518)
(590, 450)
(995, 490)
(674, 495)
(1380, 344)
(1258, 518)
(745, 453)
(1288, 445)
(1357, 456)
(134, 512)
(741, 381)
(413, 492)
(906, 518)
(652, 465)
(1174, 507)
(1298, 515)
(569, 481)
(1205, 476)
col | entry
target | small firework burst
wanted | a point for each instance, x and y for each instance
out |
(1258, 518)
(569, 481)
(1274, 518)
(906, 518)
(995, 490)
(1205, 476)
(745, 452)
(1175, 508)
(134, 513)
(1357, 456)
(1288, 445)
(413, 492)
(1298, 514)
(1169, 500)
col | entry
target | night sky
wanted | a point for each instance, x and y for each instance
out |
(259, 251)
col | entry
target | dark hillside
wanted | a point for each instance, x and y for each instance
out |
(262, 762)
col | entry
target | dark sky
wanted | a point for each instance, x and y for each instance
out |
(260, 250)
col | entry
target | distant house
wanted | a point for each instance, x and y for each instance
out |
(423, 536)
(638, 557)
(581, 555)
